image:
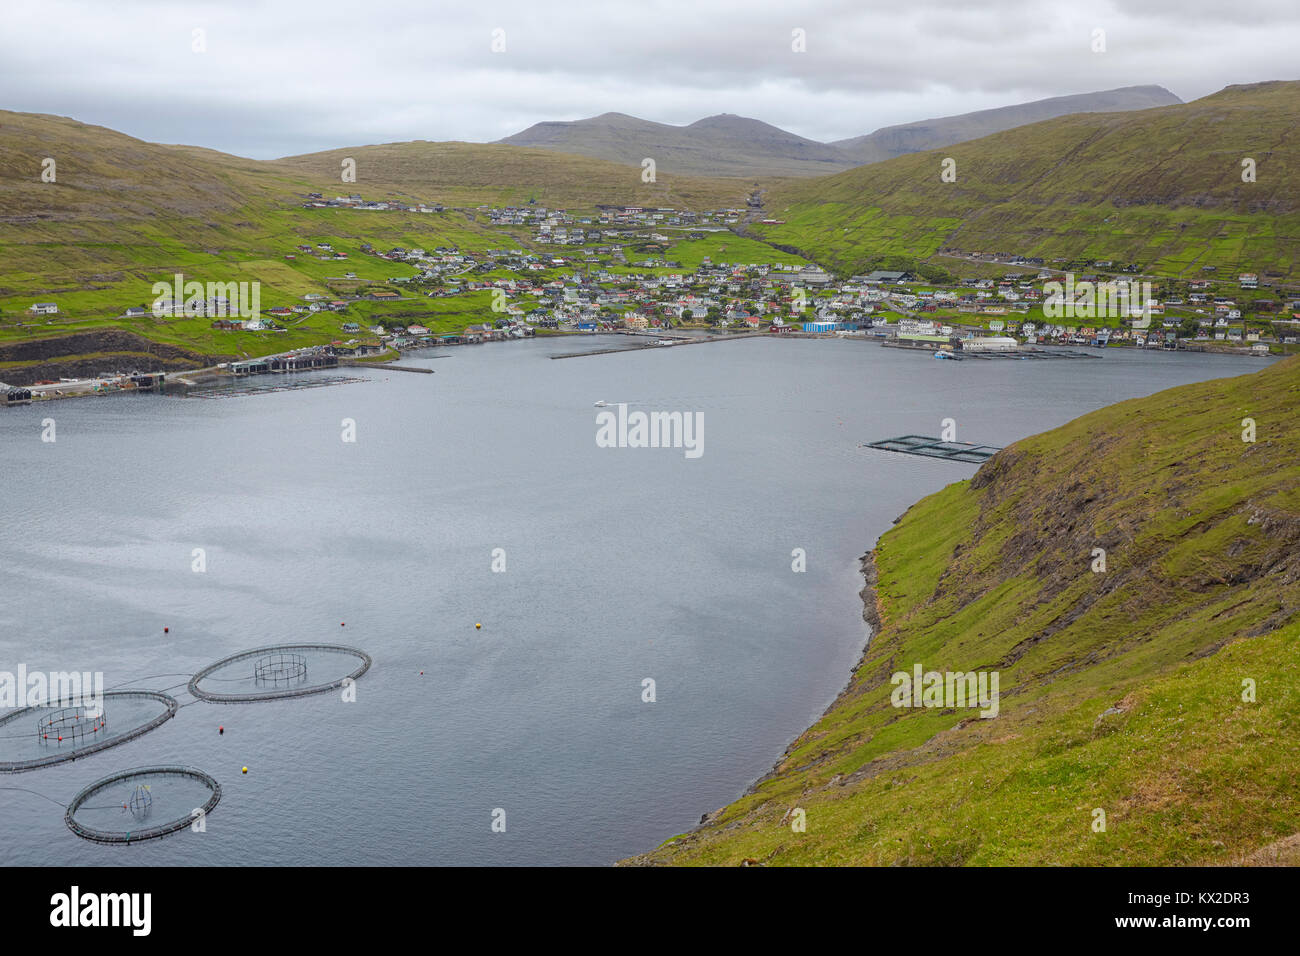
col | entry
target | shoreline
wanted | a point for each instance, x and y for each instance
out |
(872, 618)
(182, 380)
(913, 795)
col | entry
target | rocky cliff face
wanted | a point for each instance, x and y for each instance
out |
(85, 354)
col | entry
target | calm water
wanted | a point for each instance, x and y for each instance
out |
(621, 565)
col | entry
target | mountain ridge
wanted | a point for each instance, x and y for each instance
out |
(727, 144)
(721, 145)
(898, 140)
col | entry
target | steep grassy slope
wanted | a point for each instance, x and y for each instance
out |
(1121, 690)
(1160, 187)
(103, 175)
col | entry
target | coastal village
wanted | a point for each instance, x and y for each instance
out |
(612, 270)
(640, 271)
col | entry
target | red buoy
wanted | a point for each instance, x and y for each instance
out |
(221, 730)
(166, 630)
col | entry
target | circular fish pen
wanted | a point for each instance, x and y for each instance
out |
(74, 726)
(142, 804)
(68, 732)
(278, 672)
(280, 669)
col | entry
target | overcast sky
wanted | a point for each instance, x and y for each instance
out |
(279, 78)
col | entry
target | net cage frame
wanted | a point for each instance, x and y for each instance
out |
(147, 833)
(217, 698)
(141, 801)
(73, 722)
(170, 707)
(281, 667)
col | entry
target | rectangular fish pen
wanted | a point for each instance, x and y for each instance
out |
(936, 448)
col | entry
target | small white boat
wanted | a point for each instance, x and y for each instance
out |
(944, 355)
(602, 404)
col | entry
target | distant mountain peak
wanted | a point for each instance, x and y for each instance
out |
(732, 121)
(727, 144)
(721, 145)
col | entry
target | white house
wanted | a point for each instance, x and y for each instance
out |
(990, 343)
(44, 308)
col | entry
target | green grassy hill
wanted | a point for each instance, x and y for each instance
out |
(123, 214)
(467, 174)
(1120, 690)
(1159, 187)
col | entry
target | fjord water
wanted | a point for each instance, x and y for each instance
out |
(621, 564)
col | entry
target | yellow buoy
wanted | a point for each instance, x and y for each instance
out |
(478, 626)
(245, 770)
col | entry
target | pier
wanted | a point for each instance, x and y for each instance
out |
(353, 363)
(936, 448)
(219, 388)
(958, 352)
(662, 343)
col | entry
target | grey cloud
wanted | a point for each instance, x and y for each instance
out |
(295, 76)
